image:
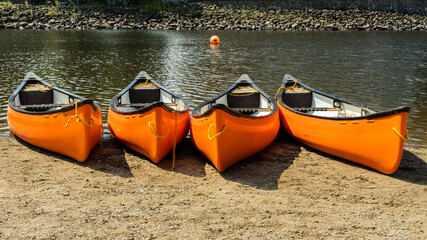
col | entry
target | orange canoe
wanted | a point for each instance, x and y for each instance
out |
(53, 119)
(234, 125)
(343, 128)
(149, 118)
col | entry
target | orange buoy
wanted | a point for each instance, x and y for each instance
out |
(214, 39)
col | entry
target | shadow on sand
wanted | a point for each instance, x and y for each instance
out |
(263, 170)
(412, 169)
(188, 160)
(112, 161)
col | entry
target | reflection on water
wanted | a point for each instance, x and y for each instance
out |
(379, 69)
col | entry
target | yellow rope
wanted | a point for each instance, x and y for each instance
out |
(406, 137)
(174, 141)
(216, 135)
(78, 119)
(151, 128)
(278, 90)
(293, 87)
(286, 88)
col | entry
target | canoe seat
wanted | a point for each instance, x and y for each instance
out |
(243, 97)
(299, 99)
(36, 94)
(303, 109)
(144, 95)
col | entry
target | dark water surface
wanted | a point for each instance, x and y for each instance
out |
(379, 69)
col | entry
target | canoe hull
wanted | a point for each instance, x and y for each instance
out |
(370, 142)
(150, 133)
(49, 131)
(241, 137)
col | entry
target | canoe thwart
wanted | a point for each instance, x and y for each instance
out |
(252, 109)
(41, 106)
(303, 109)
(140, 105)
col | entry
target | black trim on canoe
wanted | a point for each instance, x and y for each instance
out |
(143, 77)
(289, 80)
(244, 79)
(33, 78)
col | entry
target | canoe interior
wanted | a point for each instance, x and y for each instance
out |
(143, 93)
(242, 98)
(305, 100)
(37, 96)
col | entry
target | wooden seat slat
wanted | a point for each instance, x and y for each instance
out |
(302, 109)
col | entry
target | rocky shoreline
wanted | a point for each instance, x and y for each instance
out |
(205, 16)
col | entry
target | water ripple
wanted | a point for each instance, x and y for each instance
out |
(379, 69)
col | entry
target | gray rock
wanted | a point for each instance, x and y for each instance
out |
(14, 18)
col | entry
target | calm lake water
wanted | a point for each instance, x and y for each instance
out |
(379, 69)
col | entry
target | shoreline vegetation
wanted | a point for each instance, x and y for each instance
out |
(204, 15)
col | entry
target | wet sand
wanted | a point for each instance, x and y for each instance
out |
(286, 191)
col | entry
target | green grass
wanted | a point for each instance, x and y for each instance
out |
(143, 6)
(91, 6)
(150, 6)
(154, 6)
(75, 10)
(6, 3)
(52, 11)
(57, 3)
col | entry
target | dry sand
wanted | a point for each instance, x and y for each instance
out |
(286, 191)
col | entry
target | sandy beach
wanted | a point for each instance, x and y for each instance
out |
(286, 191)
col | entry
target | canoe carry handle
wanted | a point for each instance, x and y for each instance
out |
(78, 119)
(406, 137)
(152, 130)
(291, 88)
(278, 90)
(216, 135)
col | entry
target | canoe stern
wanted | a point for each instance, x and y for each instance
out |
(60, 132)
(226, 139)
(150, 133)
(370, 142)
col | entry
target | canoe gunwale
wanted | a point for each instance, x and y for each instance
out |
(151, 106)
(243, 79)
(34, 78)
(377, 114)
